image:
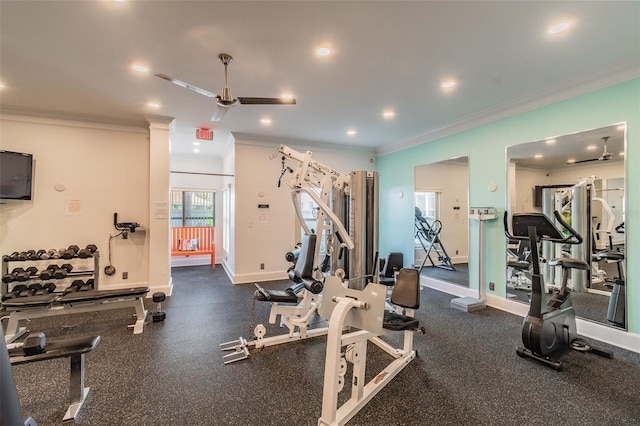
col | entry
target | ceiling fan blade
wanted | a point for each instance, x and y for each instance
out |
(220, 112)
(187, 86)
(585, 161)
(266, 101)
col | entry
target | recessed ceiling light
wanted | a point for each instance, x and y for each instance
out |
(558, 28)
(388, 113)
(286, 96)
(266, 121)
(351, 132)
(592, 147)
(196, 143)
(571, 160)
(153, 105)
(448, 84)
(323, 51)
(538, 156)
(140, 68)
(196, 150)
(550, 141)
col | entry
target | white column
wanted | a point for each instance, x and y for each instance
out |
(159, 174)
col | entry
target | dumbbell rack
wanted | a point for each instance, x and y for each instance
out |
(95, 273)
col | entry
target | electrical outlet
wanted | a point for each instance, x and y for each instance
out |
(262, 266)
(125, 275)
(492, 286)
(456, 251)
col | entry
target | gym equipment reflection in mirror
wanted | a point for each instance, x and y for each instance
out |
(581, 175)
(441, 231)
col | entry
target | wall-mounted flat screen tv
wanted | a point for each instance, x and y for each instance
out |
(16, 172)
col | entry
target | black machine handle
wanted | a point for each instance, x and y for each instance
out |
(620, 228)
(577, 238)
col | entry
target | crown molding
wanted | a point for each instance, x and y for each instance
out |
(580, 85)
(73, 120)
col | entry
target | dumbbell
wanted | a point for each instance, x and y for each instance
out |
(42, 254)
(23, 255)
(158, 298)
(36, 289)
(19, 274)
(67, 253)
(88, 251)
(12, 256)
(83, 286)
(55, 271)
(22, 290)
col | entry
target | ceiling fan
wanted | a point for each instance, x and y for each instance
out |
(606, 155)
(226, 100)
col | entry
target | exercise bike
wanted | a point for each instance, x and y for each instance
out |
(549, 329)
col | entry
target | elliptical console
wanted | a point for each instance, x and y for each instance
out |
(550, 326)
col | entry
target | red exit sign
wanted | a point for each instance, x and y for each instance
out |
(206, 134)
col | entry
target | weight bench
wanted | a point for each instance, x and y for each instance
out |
(83, 301)
(73, 348)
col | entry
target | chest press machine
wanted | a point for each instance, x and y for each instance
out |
(353, 304)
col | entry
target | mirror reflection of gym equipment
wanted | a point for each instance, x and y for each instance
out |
(582, 176)
(441, 225)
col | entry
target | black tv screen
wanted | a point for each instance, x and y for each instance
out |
(15, 175)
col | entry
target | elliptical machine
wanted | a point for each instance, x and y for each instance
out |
(550, 326)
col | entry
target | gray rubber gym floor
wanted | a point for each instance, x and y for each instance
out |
(466, 372)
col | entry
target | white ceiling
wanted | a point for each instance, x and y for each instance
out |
(74, 58)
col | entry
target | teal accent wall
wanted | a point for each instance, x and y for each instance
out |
(486, 146)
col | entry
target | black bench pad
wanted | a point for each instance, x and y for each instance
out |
(397, 322)
(89, 296)
(56, 349)
(30, 302)
(280, 296)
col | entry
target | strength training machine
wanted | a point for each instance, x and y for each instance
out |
(352, 299)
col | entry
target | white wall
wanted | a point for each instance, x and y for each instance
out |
(265, 235)
(105, 167)
(453, 180)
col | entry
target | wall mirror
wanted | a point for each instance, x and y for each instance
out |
(581, 175)
(441, 225)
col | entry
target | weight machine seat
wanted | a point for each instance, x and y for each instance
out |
(611, 255)
(520, 265)
(406, 294)
(288, 295)
(56, 349)
(569, 262)
(388, 266)
(96, 295)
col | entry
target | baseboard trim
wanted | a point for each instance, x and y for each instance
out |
(603, 333)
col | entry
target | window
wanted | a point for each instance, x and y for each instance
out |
(192, 208)
(310, 215)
